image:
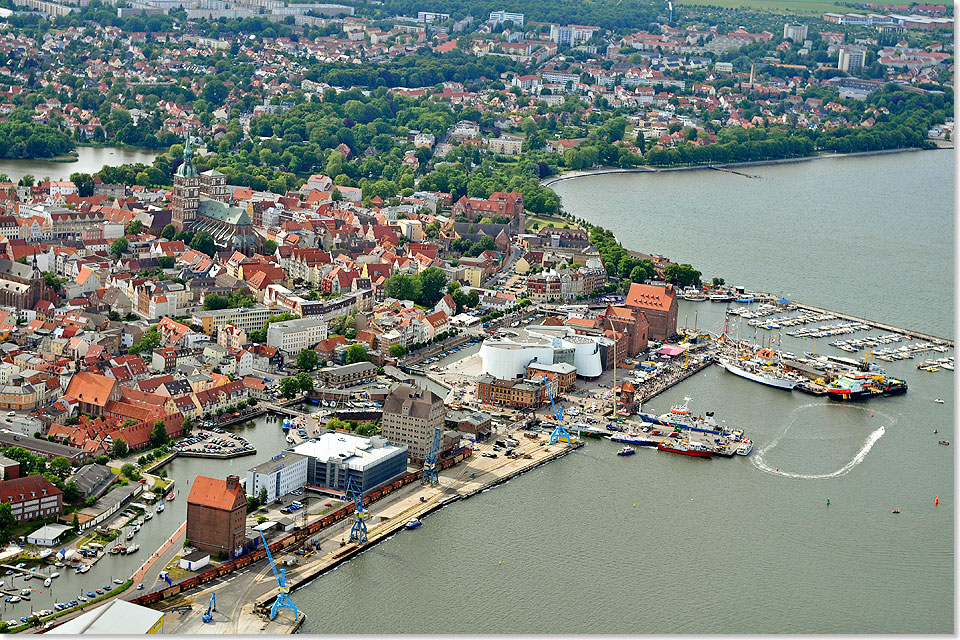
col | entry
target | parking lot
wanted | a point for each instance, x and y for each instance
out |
(213, 441)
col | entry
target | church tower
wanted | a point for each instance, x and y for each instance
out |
(186, 190)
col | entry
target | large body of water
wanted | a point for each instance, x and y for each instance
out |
(89, 160)
(870, 236)
(744, 545)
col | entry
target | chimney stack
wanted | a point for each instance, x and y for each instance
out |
(233, 482)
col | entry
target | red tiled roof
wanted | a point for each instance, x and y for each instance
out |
(650, 296)
(213, 493)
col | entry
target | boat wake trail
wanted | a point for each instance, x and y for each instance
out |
(871, 440)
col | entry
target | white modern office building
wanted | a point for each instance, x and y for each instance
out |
(335, 457)
(282, 474)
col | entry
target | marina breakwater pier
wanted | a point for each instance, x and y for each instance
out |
(245, 587)
(908, 333)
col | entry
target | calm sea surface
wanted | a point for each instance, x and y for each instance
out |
(870, 236)
(744, 545)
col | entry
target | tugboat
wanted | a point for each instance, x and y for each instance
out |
(865, 385)
(626, 451)
(412, 523)
(685, 447)
(746, 446)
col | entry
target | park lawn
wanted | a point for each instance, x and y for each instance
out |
(777, 6)
(548, 221)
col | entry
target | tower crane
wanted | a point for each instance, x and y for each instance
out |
(431, 472)
(560, 434)
(358, 533)
(282, 600)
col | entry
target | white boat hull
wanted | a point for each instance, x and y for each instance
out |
(770, 381)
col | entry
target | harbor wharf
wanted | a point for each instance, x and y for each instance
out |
(878, 325)
(24, 571)
(246, 594)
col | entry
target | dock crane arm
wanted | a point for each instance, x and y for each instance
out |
(560, 434)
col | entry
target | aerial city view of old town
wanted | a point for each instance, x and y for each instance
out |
(410, 316)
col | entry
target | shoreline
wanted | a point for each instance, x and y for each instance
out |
(571, 175)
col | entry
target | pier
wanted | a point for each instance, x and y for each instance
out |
(24, 571)
(878, 325)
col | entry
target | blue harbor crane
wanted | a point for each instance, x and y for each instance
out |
(560, 434)
(282, 600)
(358, 533)
(208, 615)
(431, 471)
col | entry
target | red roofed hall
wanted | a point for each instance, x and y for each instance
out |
(658, 304)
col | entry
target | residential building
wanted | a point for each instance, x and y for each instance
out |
(560, 376)
(850, 59)
(571, 35)
(32, 497)
(506, 146)
(499, 17)
(795, 32)
(518, 394)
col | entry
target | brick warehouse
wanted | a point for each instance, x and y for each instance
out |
(658, 304)
(217, 515)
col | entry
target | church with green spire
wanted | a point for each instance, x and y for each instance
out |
(199, 204)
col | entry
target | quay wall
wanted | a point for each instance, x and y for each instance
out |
(393, 526)
(291, 541)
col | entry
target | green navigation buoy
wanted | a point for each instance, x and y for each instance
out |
(828, 502)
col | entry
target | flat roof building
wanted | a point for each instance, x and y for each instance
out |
(348, 374)
(280, 475)
(334, 457)
(292, 336)
(115, 617)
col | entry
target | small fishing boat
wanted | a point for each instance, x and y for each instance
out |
(91, 594)
(82, 598)
(944, 442)
(938, 401)
(626, 451)
(13, 598)
(48, 582)
(896, 511)
(148, 516)
(160, 508)
(130, 535)
(412, 523)
(171, 495)
(53, 575)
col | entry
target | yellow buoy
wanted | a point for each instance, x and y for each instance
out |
(501, 562)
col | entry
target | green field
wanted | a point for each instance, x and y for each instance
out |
(548, 221)
(776, 6)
